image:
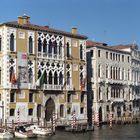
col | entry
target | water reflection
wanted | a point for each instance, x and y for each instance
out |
(119, 132)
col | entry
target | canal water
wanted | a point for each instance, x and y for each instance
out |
(118, 132)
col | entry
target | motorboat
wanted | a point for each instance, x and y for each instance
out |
(4, 134)
(40, 131)
(20, 132)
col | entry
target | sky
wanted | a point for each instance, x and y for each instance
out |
(110, 21)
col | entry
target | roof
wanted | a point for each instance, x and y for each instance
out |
(94, 44)
(30, 26)
(119, 47)
(91, 44)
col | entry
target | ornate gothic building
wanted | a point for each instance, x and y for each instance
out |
(41, 72)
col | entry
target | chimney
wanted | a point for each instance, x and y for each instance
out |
(23, 19)
(74, 30)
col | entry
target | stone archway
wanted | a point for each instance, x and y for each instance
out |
(50, 108)
(100, 114)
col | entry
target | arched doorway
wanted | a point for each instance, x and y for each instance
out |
(100, 114)
(118, 111)
(50, 108)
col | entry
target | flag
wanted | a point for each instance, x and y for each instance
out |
(83, 85)
(13, 78)
(40, 81)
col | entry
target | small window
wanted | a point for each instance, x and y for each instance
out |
(122, 58)
(30, 45)
(12, 97)
(82, 98)
(30, 112)
(12, 112)
(119, 57)
(99, 53)
(12, 42)
(124, 108)
(68, 110)
(91, 53)
(107, 108)
(128, 59)
(30, 97)
(112, 107)
(81, 110)
(130, 107)
(69, 98)
(106, 55)
(111, 56)
(61, 110)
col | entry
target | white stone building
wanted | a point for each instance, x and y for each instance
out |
(114, 79)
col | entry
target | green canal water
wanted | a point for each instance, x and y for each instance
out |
(118, 132)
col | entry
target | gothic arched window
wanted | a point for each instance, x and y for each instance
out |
(39, 74)
(50, 77)
(60, 78)
(30, 72)
(30, 45)
(44, 46)
(39, 45)
(12, 42)
(55, 78)
(81, 52)
(68, 50)
(50, 47)
(55, 47)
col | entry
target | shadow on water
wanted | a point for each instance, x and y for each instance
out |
(118, 132)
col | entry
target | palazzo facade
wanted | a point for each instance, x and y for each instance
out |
(113, 82)
(41, 72)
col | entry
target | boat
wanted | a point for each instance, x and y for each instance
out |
(40, 131)
(20, 132)
(4, 134)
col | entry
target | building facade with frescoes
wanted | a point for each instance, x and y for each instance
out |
(41, 73)
(113, 80)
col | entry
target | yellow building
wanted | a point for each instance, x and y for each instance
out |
(41, 72)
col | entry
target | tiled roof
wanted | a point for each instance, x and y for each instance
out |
(42, 28)
(90, 43)
(120, 47)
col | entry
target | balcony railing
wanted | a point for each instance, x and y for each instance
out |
(51, 87)
(31, 86)
(117, 100)
(49, 55)
(13, 86)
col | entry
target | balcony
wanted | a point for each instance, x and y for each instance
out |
(51, 87)
(13, 86)
(49, 56)
(31, 86)
(117, 100)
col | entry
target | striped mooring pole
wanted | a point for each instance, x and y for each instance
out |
(71, 121)
(98, 123)
(110, 120)
(74, 119)
(18, 116)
